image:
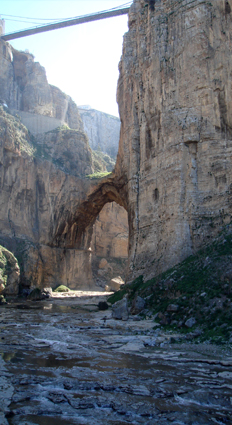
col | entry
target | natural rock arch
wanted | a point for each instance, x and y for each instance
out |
(75, 230)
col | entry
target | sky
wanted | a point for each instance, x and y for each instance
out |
(81, 60)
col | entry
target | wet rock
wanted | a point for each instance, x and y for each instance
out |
(138, 305)
(6, 394)
(226, 375)
(102, 305)
(35, 295)
(57, 397)
(83, 404)
(120, 310)
(190, 322)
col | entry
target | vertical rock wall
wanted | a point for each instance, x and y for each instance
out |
(102, 130)
(175, 151)
(24, 87)
(110, 234)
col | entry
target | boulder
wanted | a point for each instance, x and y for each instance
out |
(103, 264)
(47, 292)
(138, 304)
(190, 322)
(9, 273)
(120, 310)
(116, 283)
(35, 295)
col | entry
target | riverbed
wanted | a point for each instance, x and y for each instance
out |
(65, 362)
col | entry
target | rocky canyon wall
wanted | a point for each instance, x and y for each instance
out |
(35, 191)
(24, 87)
(175, 152)
(102, 129)
(43, 179)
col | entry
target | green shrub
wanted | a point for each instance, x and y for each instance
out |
(62, 288)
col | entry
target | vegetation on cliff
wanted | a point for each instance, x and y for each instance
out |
(197, 291)
(102, 162)
(9, 271)
(14, 134)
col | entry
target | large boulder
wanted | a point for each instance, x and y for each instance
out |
(138, 304)
(120, 310)
(9, 273)
(116, 283)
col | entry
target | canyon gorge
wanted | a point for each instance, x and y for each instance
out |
(46, 159)
(173, 169)
(87, 199)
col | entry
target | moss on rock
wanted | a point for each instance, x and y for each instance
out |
(9, 272)
(61, 288)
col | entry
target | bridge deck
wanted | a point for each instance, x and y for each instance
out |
(63, 24)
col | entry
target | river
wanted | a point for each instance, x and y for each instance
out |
(64, 362)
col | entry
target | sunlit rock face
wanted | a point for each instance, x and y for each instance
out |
(44, 188)
(110, 244)
(110, 234)
(102, 130)
(35, 191)
(175, 151)
(24, 87)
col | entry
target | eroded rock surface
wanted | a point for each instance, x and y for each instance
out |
(102, 129)
(34, 193)
(24, 87)
(43, 178)
(174, 96)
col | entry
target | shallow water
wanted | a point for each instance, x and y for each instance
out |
(68, 364)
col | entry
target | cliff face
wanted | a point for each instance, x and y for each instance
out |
(110, 234)
(24, 87)
(102, 130)
(35, 191)
(43, 180)
(175, 151)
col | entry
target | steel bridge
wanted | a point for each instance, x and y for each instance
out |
(67, 23)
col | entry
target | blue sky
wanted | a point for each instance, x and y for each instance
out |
(81, 60)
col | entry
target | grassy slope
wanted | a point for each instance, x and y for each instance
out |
(201, 287)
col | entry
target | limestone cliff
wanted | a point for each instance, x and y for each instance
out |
(175, 151)
(173, 173)
(24, 88)
(110, 244)
(43, 175)
(35, 190)
(110, 234)
(102, 130)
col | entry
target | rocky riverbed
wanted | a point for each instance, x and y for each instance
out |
(65, 362)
